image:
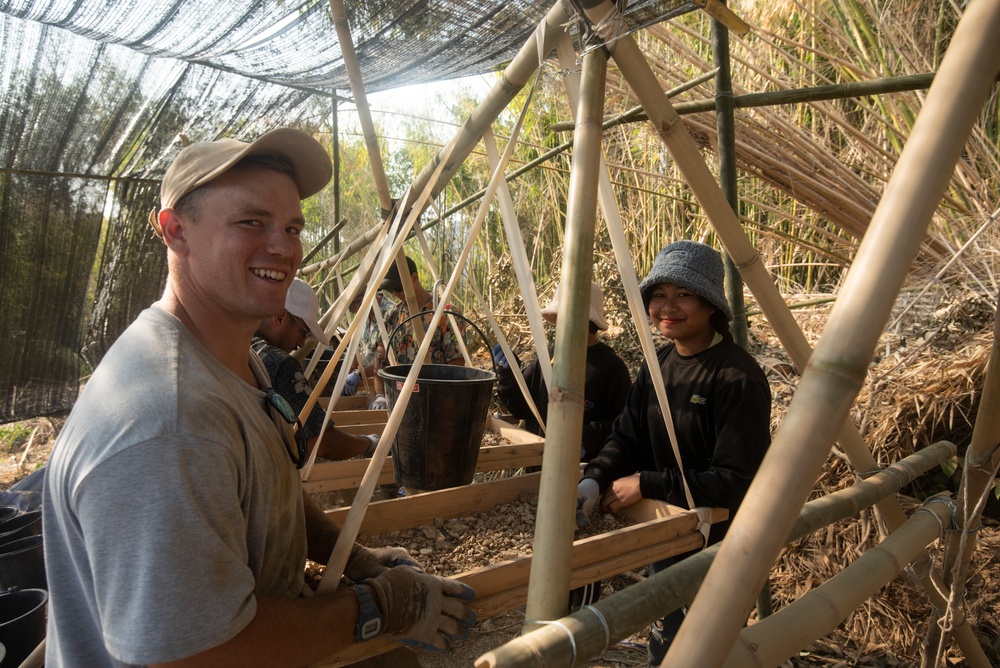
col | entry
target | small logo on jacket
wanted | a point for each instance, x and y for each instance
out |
(695, 399)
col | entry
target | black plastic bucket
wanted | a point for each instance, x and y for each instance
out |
(19, 526)
(7, 512)
(22, 564)
(22, 623)
(437, 445)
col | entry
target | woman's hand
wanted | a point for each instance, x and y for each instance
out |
(622, 493)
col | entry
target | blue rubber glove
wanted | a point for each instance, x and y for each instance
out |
(351, 384)
(499, 358)
(378, 403)
(372, 444)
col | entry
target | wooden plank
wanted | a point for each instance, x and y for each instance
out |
(526, 450)
(357, 402)
(359, 416)
(347, 474)
(516, 594)
(421, 509)
(502, 587)
(359, 429)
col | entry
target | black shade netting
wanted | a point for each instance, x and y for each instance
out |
(48, 239)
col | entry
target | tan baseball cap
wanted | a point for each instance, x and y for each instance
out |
(301, 302)
(199, 163)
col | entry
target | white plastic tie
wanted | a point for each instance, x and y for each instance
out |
(704, 522)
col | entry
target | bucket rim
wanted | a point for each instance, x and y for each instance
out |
(42, 601)
(386, 374)
(5, 551)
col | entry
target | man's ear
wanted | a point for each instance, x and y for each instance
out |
(173, 224)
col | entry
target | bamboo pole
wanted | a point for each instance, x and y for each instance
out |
(837, 367)
(977, 476)
(339, 16)
(772, 641)
(522, 270)
(725, 123)
(587, 633)
(844, 91)
(726, 128)
(626, 269)
(549, 581)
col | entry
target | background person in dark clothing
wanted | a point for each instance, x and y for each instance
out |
(607, 382)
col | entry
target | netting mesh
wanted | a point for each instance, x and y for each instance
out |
(93, 95)
(47, 242)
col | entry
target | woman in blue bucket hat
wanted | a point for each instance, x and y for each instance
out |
(720, 405)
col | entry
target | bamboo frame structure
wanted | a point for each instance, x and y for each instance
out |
(587, 633)
(339, 16)
(837, 367)
(668, 125)
(771, 641)
(446, 162)
(555, 523)
(851, 444)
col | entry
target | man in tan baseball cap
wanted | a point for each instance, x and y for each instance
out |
(179, 461)
(199, 163)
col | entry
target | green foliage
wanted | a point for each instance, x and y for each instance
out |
(949, 467)
(12, 435)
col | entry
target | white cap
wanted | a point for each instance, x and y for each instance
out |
(301, 302)
(596, 307)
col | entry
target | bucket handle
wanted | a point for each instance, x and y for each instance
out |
(447, 313)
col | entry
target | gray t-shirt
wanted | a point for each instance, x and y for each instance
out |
(170, 504)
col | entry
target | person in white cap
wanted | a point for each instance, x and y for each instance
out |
(607, 381)
(720, 404)
(276, 338)
(175, 525)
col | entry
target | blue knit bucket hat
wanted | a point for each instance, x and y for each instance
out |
(691, 265)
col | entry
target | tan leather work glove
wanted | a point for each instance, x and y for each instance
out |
(424, 610)
(367, 562)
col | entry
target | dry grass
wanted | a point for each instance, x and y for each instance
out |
(923, 387)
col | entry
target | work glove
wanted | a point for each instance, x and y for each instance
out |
(588, 492)
(369, 562)
(499, 358)
(351, 384)
(372, 444)
(378, 403)
(423, 610)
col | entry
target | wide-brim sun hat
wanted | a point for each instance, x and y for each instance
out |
(199, 163)
(690, 265)
(596, 307)
(302, 303)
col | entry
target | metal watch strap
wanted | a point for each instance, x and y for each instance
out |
(369, 616)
